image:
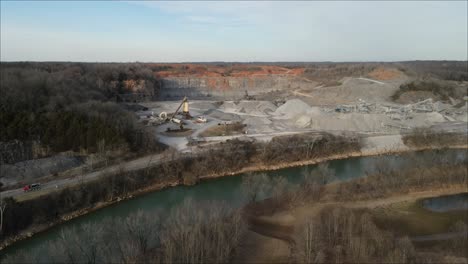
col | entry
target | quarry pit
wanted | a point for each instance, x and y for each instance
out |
(263, 106)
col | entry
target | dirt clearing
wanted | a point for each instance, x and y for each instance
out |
(384, 74)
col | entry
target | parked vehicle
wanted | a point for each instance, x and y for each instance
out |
(32, 187)
(201, 119)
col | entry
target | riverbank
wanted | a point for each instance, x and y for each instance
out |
(362, 153)
(41, 228)
(275, 232)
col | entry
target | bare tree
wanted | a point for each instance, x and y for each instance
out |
(254, 185)
(29, 256)
(279, 191)
(84, 244)
(306, 243)
(460, 242)
(201, 233)
(314, 179)
(102, 151)
(3, 206)
(323, 173)
(143, 229)
(343, 235)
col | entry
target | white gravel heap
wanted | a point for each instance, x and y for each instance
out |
(254, 108)
(298, 114)
(294, 108)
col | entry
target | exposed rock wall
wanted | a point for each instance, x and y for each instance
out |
(15, 151)
(224, 87)
(36, 168)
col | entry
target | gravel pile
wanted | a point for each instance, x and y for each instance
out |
(222, 115)
(292, 108)
(296, 113)
(254, 108)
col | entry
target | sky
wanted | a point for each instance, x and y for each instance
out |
(150, 31)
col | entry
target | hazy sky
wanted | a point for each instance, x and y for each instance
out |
(233, 31)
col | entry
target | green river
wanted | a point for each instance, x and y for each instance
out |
(227, 189)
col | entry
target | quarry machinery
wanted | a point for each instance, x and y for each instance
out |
(185, 109)
(185, 112)
(163, 116)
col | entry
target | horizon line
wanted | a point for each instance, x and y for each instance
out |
(240, 62)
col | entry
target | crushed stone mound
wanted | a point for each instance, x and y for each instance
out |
(261, 108)
(294, 108)
(258, 125)
(350, 122)
(303, 121)
(229, 106)
(201, 105)
(222, 115)
(248, 107)
(434, 117)
(255, 121)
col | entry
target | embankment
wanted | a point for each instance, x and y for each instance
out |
(95, 202)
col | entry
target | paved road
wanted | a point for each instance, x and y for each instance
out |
(136, 164)
(372, 143)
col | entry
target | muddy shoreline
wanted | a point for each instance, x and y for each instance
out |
(157, 187)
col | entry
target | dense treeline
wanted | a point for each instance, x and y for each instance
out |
(444, 91)
(424, 137)
(329, 73)
(58, 104)
(54, 86)
(212, 233)
(426, 172)
(337, 236)
(63, 131)
(185, 169)
(190, 233)
(342, 235)
(418, 173)
(446, 70)
(307, 146)
(83, 126)
(393, 181)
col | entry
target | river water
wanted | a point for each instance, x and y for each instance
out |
(228, 189)
(444, 204)
(447, 203)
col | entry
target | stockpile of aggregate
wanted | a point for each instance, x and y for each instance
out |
(298, 114)
(254, 108)
(222, 115)
(293, 108)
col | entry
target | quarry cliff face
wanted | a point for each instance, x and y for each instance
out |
(224, 87)
(224, 81)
